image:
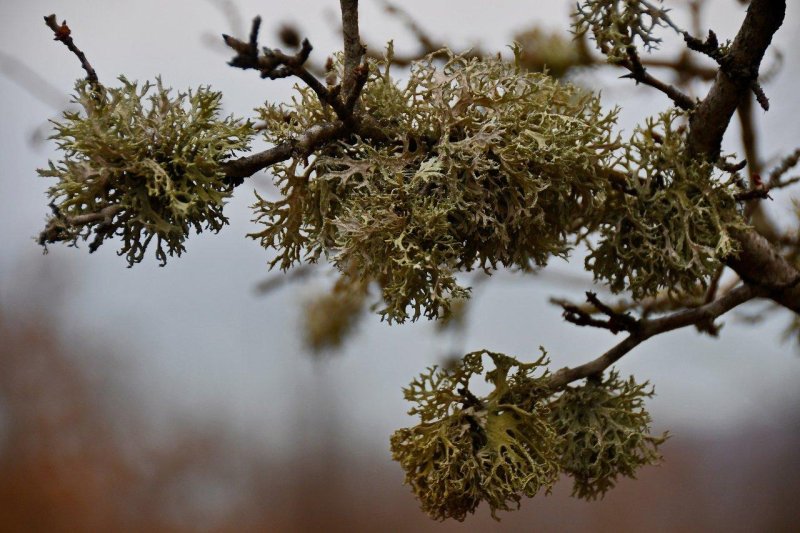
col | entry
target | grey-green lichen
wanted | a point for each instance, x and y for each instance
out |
(668, 226)
(330, 317)
(604, 433)
(617, 26)
(515, 440)
(482, 165)
(141, 163)
(467, 449)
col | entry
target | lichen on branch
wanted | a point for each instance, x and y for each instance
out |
(515, 440)
(604, 433)
(466, 449)
(141, 163)
(618, 26)
(670, 227)
(480, 165)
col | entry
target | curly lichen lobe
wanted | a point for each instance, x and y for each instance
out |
(142, 163)
(467, 450)
(481, 165)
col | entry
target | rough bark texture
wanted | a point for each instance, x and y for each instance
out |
(758, 263)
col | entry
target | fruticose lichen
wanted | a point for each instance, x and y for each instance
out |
(467, 449)
(617, 26)
(668, 227)
(143, 164)
(481, 164)
(604, 433)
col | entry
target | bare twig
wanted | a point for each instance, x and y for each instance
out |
(786, 164)
(273, 63)
(62, 33)
(639, 73)
(651, 328)
(615, 323)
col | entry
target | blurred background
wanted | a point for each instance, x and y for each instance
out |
(185, 398)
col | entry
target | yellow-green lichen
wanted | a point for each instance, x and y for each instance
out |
(669, 225)
(468, 449)
(143, 164)
(481, 165)
(604, 433)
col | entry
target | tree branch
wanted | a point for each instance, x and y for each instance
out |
(353, 49)
(653, 327)
(62, 33)
(238, 169)
(711, 117)
(757, 263)
(640, 75)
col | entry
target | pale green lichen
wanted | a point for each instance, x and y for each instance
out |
(482, 165)
(669, 227)
(466, 449)
(604, 433)
(143, 164)
(617, 26)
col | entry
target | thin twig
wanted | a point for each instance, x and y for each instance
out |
(651, 328)
(62, 33)
(639, 73)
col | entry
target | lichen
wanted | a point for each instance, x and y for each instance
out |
(668, 225)
(330, 317)
(482, 165)
(143, 164)
(618, 26)
(604, 433)
(467, 449)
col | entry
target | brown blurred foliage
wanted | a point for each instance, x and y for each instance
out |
(79, 454)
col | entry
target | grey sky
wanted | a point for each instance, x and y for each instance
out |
(193, 337)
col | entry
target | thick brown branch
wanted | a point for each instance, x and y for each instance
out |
(353, 49)
(757, 263)
(651, 328)
(733, 82)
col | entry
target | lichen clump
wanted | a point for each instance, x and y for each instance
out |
(617, 26)
(143, 164)
(468, 449)
(480, 165)
(514, 441)
(669, 228)
(604, 433)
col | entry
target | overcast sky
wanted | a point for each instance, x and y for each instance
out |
(194, 337)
